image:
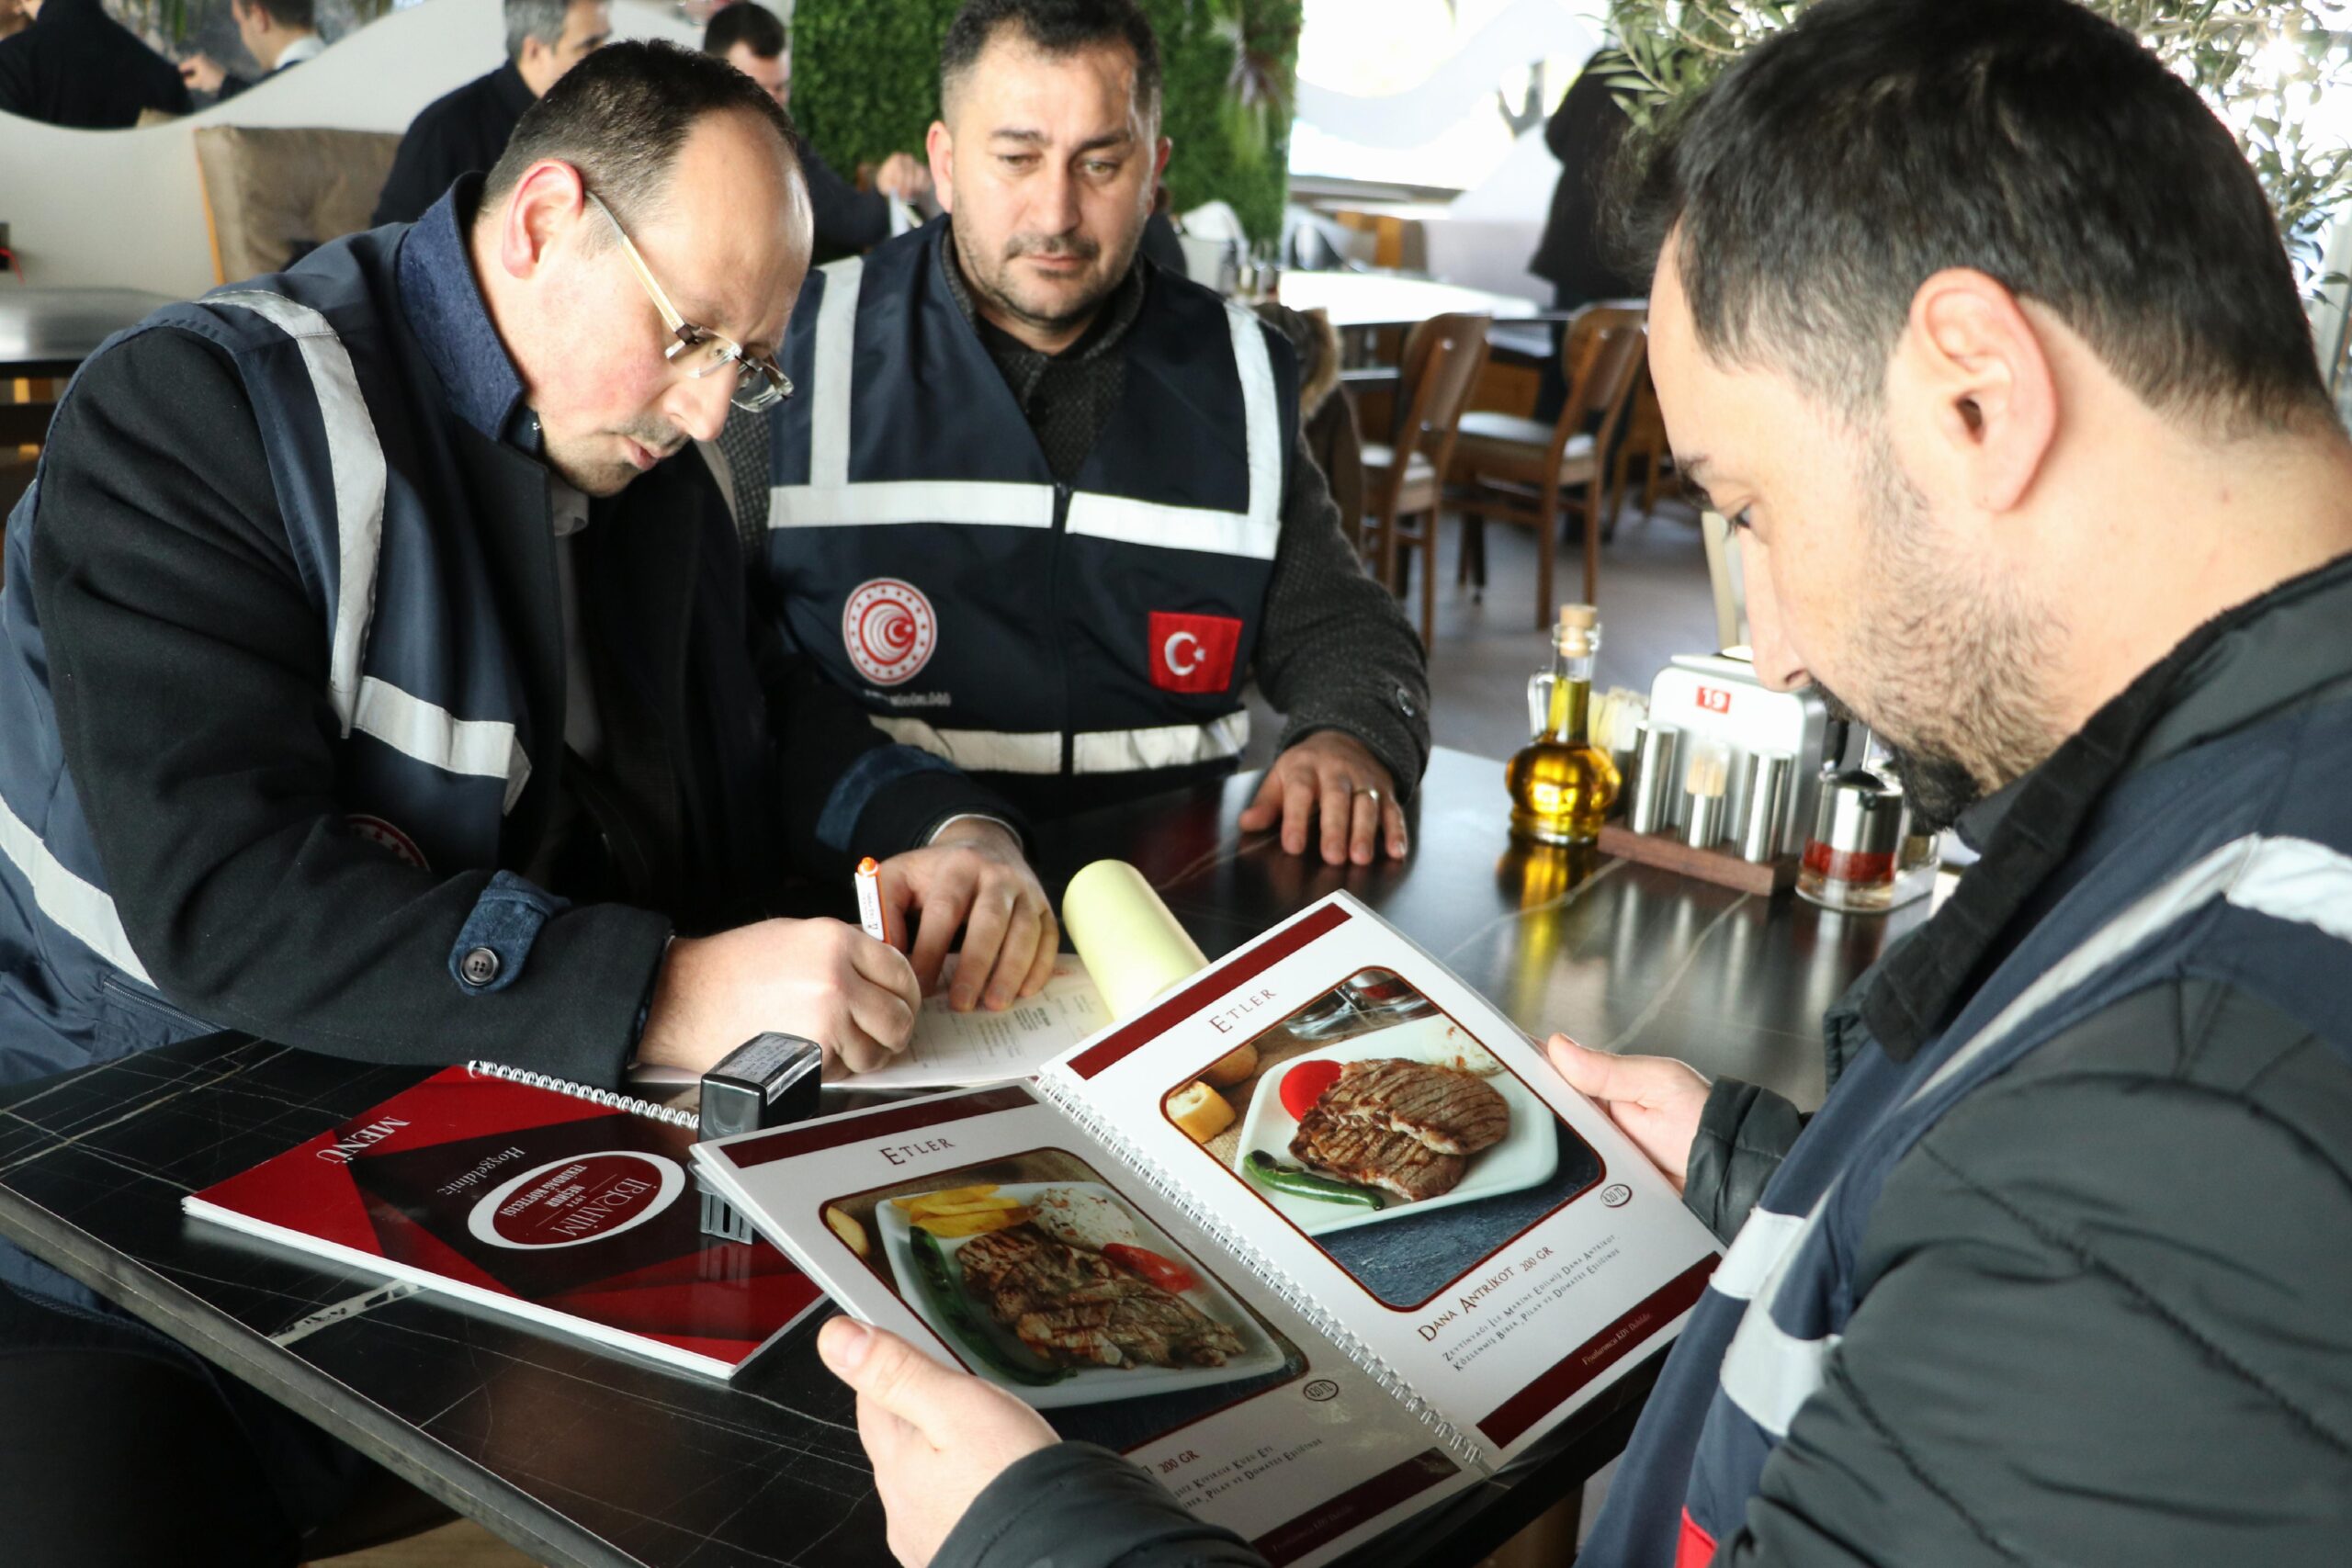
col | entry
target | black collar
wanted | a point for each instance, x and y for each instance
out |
(2220, 677)
(444, 309)
(513, 94)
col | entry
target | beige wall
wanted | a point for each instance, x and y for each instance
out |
(122, 208)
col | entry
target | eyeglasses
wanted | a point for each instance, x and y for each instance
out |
(760, 382)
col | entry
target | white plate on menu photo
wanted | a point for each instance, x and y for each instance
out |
(1085, 1385)
(1528, 1155)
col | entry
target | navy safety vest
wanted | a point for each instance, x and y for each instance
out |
(921, 551)
(435, 744)
(2232, 861)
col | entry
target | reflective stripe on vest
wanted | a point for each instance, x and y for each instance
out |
(356, 459)
(2289, 879)
(409, 724)
(1770, 1373)
(1091, 751)
(80, 910)
(480, 747)
(831, 500)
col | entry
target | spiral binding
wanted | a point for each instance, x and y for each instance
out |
(1065, 1098)
(604, 1096)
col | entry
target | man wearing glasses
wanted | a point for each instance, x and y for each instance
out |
(378, 681)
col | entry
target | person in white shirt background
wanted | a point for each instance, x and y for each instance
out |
(277, 33)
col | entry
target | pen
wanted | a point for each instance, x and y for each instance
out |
(871, 914)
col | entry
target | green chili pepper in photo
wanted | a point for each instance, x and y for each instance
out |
(1263, 1168)
(939, 1283)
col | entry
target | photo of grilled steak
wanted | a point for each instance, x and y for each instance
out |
(1077, 1308)
(1407, 1127)
(1353, 1149)
(1452, 1112)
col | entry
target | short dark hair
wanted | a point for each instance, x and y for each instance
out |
(1842, 161)
(754, 26)
(620, 116)
(1058, 28)
(291, 13)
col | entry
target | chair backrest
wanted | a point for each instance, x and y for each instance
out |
(1600, 386)
(1441, 361)
(1585, 329)
(270, 195)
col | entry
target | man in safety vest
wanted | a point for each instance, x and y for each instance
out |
(1043, 509)
(1976, 322)
(379, 682)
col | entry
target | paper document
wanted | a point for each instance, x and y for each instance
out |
(980, 1047)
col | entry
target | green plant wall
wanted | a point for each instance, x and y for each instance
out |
(866, 84)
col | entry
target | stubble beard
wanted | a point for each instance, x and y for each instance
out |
(1957, 683)
(994, 282)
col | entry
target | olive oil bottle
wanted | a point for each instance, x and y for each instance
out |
(1561, 784)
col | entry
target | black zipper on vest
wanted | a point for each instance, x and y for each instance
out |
(1055, 623)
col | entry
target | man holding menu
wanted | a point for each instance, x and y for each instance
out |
(1977, 323)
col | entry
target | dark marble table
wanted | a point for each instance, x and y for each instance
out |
(49, 332)
(580, 1457)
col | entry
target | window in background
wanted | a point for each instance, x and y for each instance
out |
(1427, 92)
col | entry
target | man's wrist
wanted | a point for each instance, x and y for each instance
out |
(966, 826)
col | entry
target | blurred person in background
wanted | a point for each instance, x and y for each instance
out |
(75, 65)
(277, 33)
(750, 38)
(465, 132)
(1582, 133)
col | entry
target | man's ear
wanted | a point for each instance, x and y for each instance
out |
(547, 201)
(1972, 363)
(1159, 160)
(939, 146)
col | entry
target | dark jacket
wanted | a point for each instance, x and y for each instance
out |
(848, 220)
(77, 66)
(189, 669)
(461, 132)
(1582, 134)
(2105, 1317)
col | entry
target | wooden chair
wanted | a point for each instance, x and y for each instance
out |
(1517, 470)
(1403, 478)
(25, 409)
(270, 194)
(1645, 439)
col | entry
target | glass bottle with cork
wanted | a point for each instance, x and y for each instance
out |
(1561, 783)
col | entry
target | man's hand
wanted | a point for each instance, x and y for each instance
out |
(937, 1438)
(973, 876)
(818, 979)
(1333, 776)
(902, 177)
(202, 72)
(1655, 1101)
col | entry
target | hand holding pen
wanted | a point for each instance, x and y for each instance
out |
(972, 877)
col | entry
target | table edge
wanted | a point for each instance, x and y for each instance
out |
(292, 1381)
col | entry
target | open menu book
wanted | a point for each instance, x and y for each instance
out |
(1317, 1238)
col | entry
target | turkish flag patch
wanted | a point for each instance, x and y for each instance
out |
(1193, 653)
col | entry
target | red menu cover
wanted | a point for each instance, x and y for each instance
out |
(576, 1214)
